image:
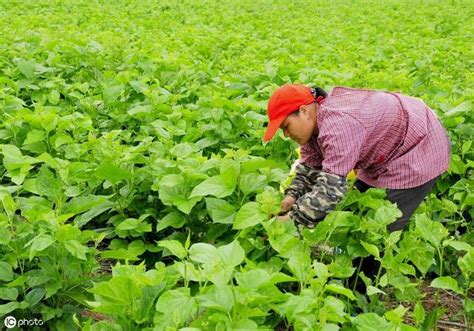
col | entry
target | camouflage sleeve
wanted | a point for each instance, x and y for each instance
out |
(323, 198)
(304, 181)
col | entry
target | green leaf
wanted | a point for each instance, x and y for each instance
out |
(466, 263)
(253, 279)
(26, 67)
(35, 296)
(336, 288)
(321, 270)
(48, 185)
(419, 313)
(40, 243)
(217, 186)
(447, 283)
(114, 174)
(341, 267)
(217, 297)
(8, 294)
(252, 182)
(372, 249)
(203, 253)
(111, 93)
(173, 219)
(300, 265)
(387, 214)
(6, 272)
(175, 247)
(231, 254)
(34, 136)
(177, 306)
(86, 217)
(8, 307)
(460, 245)
(423, 256)
(396, 315)
(370, 322)
(115, 295)
(249, 215)
(371, 290)
(431, 231)
(9, 204)
(83, 203)
(76, 249)
(220, 211)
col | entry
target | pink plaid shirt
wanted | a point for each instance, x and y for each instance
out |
(391, 140)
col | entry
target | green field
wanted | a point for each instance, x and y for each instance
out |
(137, 194)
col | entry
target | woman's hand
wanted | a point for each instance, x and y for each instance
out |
(286, 204)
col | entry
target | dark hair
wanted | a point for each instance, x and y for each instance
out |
(316, 92)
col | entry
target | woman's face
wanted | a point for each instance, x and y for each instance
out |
(300, 126)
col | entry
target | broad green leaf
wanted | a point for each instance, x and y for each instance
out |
(86, 217)
(76, 249)
(396, 315)
(370, 322)
(115, 295)
(371, 290)
(220, 211)
(372, 249)
(112, 92)
(175, 247)
(188, 271)
(203, 253)
(8, 307)
(431, 231)
(27, 67)
(177, 306)
(6, 272)
(253, 279)
(419, 313)
(8, 294)
(230, 170)
(341, 267)
(252, 182)
(335, 309)
(34, 296)
(114, 174)
(40, 243)
(249, 215)
(447, 283)
(217, 297)
(321, 270)
(217, 186)
(173, 219)
(231, 254)
(423, 256)
(34, 136)
(83, 203)
(9, 205)
(300, 265)
(466, 263)
(48, 185)
(460, 245)
(336, 288)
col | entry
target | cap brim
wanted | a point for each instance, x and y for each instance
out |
(272, 128)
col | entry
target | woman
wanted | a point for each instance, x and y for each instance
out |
(391, 140)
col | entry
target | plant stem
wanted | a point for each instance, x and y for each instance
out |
(357, 276)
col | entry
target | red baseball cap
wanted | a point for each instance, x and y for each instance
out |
(284, 101)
